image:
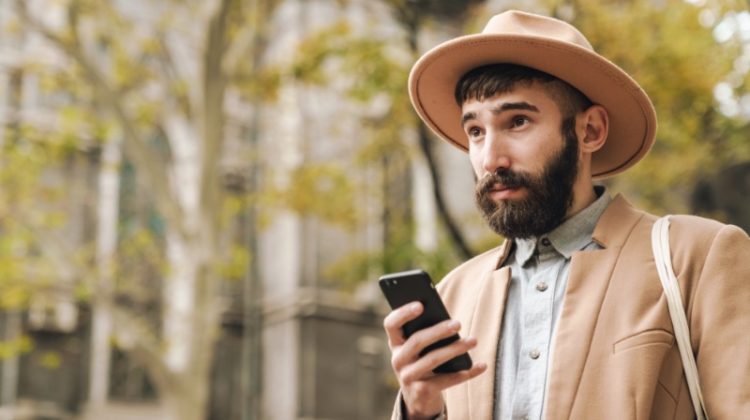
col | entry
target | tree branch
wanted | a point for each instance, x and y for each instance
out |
(247, 42)
(214, 87)
(410, 18)
(237, 51)
(461, 246)
(58, 253)
(135, 147)
(172, 74)
(137, 337)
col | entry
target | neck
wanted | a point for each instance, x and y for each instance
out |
(583, 196)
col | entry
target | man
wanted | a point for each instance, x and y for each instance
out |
(566, 319)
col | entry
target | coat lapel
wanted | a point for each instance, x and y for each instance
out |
(485, 325)
(589, 278)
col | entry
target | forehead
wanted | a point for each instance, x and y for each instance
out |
(534, 94)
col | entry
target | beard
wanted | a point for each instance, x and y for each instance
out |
(550, 194)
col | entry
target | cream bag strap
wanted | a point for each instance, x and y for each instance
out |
(660, 244)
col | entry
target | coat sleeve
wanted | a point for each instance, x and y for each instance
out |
(399, 410)
(720, 325)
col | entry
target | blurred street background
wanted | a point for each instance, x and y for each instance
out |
(198, 196)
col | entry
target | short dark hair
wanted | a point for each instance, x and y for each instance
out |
(487, 81)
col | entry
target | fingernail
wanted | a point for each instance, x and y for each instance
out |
(471, 341)
(454, 325)
(415, 307)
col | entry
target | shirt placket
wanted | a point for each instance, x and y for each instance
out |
(537, 313)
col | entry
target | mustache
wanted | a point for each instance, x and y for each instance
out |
(504, 177)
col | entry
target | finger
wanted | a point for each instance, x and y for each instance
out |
(447, 380)
(395, 320)
(427, 336)
(424, 366)
(412, 348)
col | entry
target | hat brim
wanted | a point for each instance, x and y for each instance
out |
(632, 117)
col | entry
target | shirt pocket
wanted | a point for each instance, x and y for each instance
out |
(656, 337)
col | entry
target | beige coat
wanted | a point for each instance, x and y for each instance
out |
(614, 354)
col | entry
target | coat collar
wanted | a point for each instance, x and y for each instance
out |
(616, 223)
(505, 250)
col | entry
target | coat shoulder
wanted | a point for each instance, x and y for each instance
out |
(695, 241)
(697, 236)
(462, 277)
(695, 226)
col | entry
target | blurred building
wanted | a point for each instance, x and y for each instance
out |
(323, 352)
(292, 346)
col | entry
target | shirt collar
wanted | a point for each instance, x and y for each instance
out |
(572, 235)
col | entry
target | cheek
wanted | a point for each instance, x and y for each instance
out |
(476, 162)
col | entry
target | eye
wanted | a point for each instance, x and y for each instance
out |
(474, 131)
(519, 121)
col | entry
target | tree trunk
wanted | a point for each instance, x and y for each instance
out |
(106, 244)
(460, 244)
(411, 20)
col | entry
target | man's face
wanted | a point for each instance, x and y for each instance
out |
(525, 162)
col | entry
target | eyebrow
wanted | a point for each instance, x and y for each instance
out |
(507, 106)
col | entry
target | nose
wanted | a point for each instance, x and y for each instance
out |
(494, 154)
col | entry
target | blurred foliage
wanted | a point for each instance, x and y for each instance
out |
(370, 72)
(337, 53)
(50, 360)
(33, 211)
(362, 70)
(263, 84)
(320, 190)
(323, 190)
(678, 62)
(12, 348)
(433, 9)
(236, 265)
(367, 70)
(140, 262)
(104, 71)
(351, 270)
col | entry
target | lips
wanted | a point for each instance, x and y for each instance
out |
(502, 185)
(502, 192)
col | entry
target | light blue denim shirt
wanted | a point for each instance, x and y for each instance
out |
(539, 274)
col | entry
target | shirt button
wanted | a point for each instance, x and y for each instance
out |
(541, 286)
(534, 354)
(546, 242)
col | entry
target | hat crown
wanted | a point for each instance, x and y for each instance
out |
(514, 22)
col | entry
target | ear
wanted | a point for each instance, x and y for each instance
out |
(592, 126)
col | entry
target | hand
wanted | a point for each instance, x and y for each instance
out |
(420, 387)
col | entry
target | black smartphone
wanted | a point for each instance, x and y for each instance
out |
(416, 285)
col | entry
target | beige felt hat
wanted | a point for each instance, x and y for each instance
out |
(549, 45)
